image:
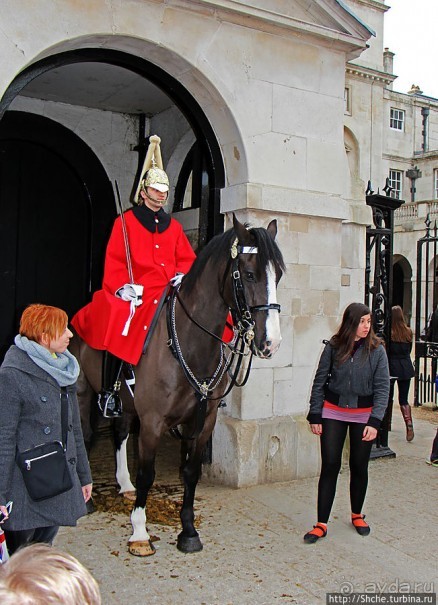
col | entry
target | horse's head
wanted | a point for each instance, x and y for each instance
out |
(256, 266)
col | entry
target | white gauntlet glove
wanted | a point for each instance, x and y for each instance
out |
(177, 279)
(131, 293)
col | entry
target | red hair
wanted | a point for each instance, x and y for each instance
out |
(42, 319)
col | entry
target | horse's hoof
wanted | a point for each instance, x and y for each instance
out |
(189, 544)
(131, 495)
(141, 548)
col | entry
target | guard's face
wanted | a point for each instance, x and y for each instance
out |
(153, 198)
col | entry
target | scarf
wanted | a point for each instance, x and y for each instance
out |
(357, 344)
(64, 368)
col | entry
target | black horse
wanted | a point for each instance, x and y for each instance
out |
(185, 370)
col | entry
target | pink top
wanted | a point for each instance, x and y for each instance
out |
(334, 412)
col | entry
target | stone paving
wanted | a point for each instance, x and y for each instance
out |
(253, 548)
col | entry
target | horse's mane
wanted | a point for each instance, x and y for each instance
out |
(217, 251)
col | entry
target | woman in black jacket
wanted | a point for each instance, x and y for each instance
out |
(400, 365)
(349, 393)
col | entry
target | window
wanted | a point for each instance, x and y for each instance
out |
(397, 119)
(395, 181)
(347, 100)
(435, 183)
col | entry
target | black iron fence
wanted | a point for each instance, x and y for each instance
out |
(426, 317)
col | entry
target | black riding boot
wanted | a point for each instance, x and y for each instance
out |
(129, 376)
(108, 399)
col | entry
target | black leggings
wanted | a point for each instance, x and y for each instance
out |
(403, 391)
(332, 443)
(23, 537)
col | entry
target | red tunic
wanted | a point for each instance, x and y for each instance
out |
(156, 258)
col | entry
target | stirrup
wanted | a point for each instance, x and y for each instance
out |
(109, 404)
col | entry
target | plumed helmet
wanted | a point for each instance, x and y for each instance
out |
(152, 173)
(157, 178)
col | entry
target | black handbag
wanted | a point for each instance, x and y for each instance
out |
(44, 467)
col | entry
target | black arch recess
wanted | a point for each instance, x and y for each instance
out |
(172, 87)
(24, 126)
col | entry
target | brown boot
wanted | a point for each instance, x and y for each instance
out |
(407, 417)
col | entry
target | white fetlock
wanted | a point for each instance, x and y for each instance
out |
(123, 477)
(138, 520)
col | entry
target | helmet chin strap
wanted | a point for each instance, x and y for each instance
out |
(162, 203)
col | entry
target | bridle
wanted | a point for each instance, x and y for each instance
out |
(243, 323)
(242, 312)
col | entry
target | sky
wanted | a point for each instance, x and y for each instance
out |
(411, 30)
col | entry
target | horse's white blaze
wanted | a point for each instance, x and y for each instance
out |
(123, 477)
(273, 334)
(138, 520)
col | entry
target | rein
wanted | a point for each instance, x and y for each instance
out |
(245, 328)
(203, 389)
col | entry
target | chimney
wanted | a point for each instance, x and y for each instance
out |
(388, 61)
(388, 64)
(425, 114)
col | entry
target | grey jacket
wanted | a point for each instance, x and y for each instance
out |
(30, 414)
(361, 376)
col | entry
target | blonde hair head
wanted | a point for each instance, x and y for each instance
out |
(42, 575)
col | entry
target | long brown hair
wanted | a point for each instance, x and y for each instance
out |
(400, 331)
(343, 340)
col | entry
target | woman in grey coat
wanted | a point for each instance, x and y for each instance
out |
(31, 377)
(350, 392)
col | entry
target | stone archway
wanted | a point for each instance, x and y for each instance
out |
(202, 131)
(200, 118)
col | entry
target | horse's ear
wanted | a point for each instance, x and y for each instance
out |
(272, 228)
(242, 232)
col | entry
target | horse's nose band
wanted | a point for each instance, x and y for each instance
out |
(271, 307)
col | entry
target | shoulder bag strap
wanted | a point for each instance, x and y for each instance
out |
(64, 416)
(326, 342)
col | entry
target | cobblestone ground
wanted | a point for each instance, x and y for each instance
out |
(253, 548)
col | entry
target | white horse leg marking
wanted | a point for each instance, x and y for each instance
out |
(273, 333)
(122, 471)
(138, 520)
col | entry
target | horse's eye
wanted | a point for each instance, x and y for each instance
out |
(249, 275)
